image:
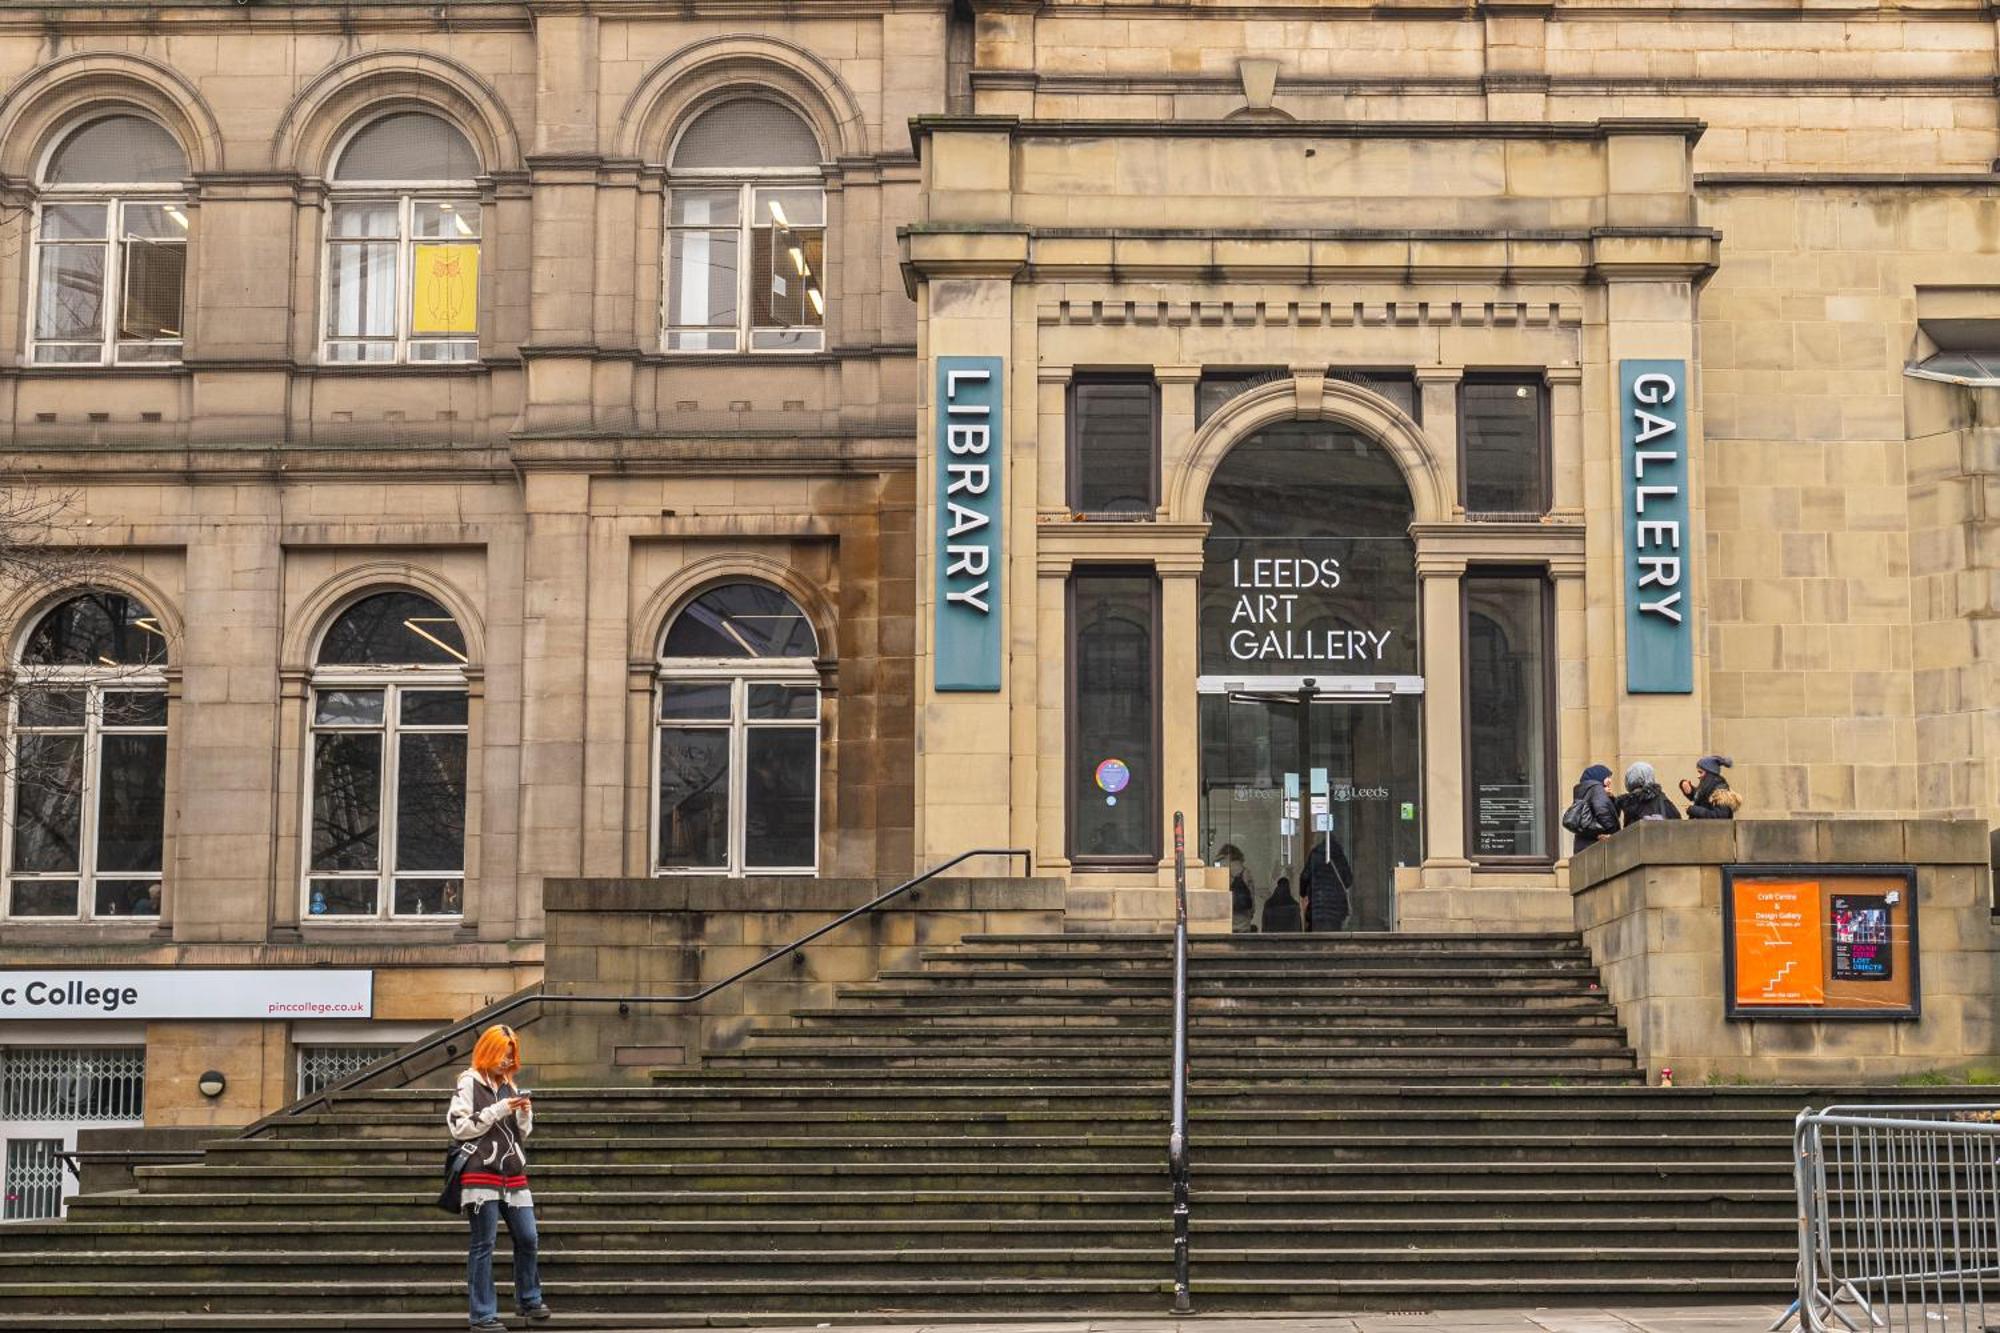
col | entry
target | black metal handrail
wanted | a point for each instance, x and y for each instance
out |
(494, 1013)
(1177, 1138)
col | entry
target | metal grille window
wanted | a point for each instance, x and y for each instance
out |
(110, 261)
(87, 781)
(321, 1066)
(746, 234)
(81, 1083)
(34, 1179)
(738, 736)
(402, 251)
(390, 718)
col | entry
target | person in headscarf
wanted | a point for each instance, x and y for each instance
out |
(1592, 814)
(1708, 794)
(1642, 799)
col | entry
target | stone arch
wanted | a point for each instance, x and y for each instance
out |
(707, 71)
(317, 612)
(58, 93)
(28, 608)
(1307, 398)
(362, 87)
(649, 627)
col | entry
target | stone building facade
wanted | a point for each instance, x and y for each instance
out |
(420, 373)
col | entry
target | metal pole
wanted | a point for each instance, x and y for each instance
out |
(1177, 1144)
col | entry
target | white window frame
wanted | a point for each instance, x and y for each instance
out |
(114, 199)
(746, 184)
(406, 195)
(95, 682)
(796, 672)
(393, 681)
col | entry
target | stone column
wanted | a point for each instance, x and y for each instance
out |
(1444, 720)
(1177, 425)
(1438, 386)
(1565, 440)
(554, 621)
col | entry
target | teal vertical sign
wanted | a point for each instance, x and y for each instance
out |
(1659, 586)
(970, 451)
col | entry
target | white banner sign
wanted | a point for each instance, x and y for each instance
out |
(186, 993)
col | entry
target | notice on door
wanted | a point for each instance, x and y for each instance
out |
(1779, 944)
(1821, 941)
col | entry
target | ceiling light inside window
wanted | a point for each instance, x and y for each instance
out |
(819, 302)
(180, 218)
(799, 260)
(778, 214)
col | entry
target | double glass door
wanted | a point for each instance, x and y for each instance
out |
(1310, 797)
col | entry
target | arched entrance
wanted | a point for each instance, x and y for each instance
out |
(1310, 684)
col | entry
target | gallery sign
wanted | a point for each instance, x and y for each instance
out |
(1659, 612)
(177, 992)
(1288, 605)
(970, 454)
(1821, 941)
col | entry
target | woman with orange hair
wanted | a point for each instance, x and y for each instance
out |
(490, 1112)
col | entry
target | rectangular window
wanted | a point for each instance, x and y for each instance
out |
(746, 268)
(1114, 445)
(109, 281)
(1503, 453)
(34, 1179)
(403, 280)
(1509, 711)
(322, 1066)
(86, 1083)
(1114, 722)
(739, 762)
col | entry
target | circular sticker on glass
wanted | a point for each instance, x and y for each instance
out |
(1113, 776)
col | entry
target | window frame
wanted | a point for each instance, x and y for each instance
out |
(115, 197)
(1073, 444)
(1155, 822)
(95, 682)
(1552, 804)
(746, 182)
(407, 195)
(1537, 380)
(394, 681)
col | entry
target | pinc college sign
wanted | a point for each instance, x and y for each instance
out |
(1659, 587)
(970, 452)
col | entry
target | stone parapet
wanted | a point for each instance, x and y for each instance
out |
(1649, 903)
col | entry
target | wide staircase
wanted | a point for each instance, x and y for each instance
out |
(1377, 1122)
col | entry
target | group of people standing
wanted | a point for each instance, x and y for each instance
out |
(1595, 813)
(1325, 898)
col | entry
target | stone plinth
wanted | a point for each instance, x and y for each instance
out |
(1649, 903)
(671, 936)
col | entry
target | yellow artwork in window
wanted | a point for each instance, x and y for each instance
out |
(444, 298)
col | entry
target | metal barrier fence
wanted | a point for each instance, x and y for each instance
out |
(1899, 1219)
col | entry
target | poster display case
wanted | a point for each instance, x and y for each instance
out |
(1820, 942)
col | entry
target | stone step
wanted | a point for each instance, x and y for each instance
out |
(1459, 1062)
(864, 1008)
(1217, 980)
(1203, 1034)
(1379, 941)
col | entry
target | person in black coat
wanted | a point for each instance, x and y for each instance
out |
(1603, 810)
(1710, 796)
(1643, 799)
(1325, 885)
(1281, 910)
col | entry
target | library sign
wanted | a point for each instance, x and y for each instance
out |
(970, 453)
(179, 992)
(1659, 619)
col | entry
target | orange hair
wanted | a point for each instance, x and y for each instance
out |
(498, 1052)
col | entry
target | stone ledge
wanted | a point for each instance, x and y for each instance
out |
(795, 893)
(1782, 841)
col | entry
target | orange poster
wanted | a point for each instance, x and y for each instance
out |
(1780, 943)
(445, 296)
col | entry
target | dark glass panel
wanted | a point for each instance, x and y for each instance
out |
(155, 274)
(1507, 689)
(1114, 447)
(52, 708)
(694, 701)
(1114, 770)
(131, 801)
(694, 797)
(341, 897)
(741, 620)
(48, 802)
(430, 802)
(347, 801)
(1501, 424)
(779, 785)
(348, 708)
(434, 708)
(135, 708)
(127, 897)
(97, 629)
(398, 628)
(783, 701)
(430, 897)
(44, 897)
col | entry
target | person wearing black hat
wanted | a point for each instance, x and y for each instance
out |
(1592, 813)
(1708, 794)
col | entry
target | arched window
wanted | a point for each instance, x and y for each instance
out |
(87, 772)
(738, 789)
(387, 797)
(111, 229)
(402, 250)
(746, 233)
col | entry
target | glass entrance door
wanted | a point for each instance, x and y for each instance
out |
(1310, 796)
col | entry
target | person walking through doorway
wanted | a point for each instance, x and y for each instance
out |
(1642, 799)
(487, 1109)
(1326, 885)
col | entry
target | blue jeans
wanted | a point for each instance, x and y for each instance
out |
(479, 1263)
